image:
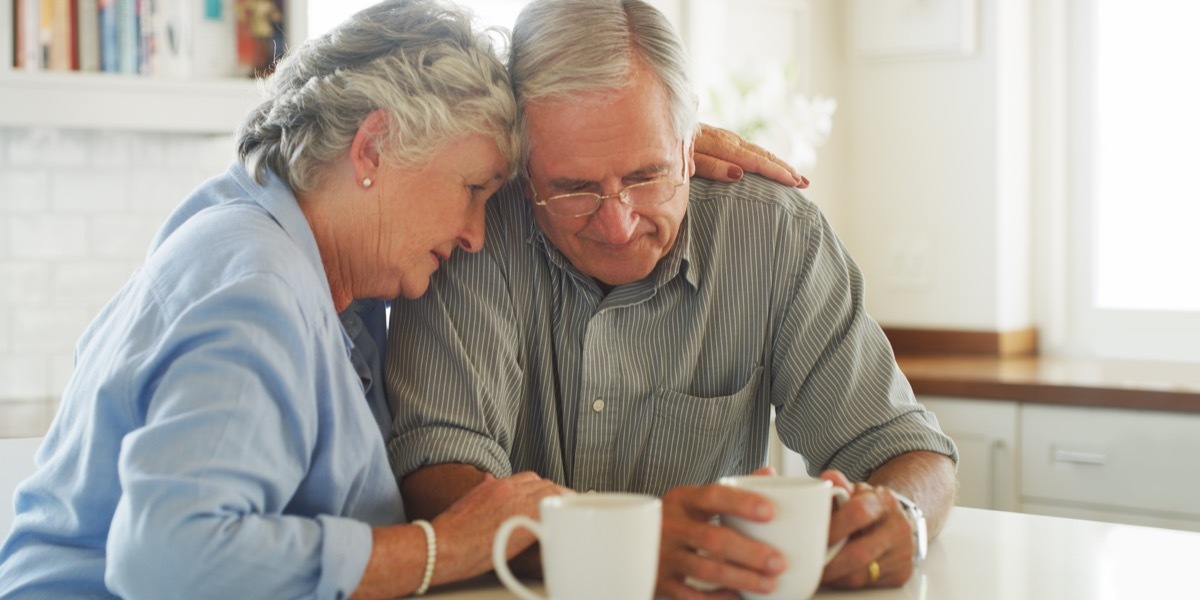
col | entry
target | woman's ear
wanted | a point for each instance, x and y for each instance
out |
(366, 154)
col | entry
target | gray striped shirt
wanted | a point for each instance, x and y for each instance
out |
(513, 360)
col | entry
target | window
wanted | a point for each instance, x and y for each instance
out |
(1134, 140)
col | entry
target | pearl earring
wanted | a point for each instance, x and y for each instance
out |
(366, 182)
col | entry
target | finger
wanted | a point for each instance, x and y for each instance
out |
(757, 160)
(767, 164)
(677, 589)
(706, 501)
(726, 576)
(767, 470)
(743, 155)
(838, 479)
(708, 167)
(523, 476)
(864, 510)
(888, 540)
(723, 545)
(895, 567)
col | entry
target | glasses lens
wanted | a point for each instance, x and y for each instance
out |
(650, 193)
(573, 205)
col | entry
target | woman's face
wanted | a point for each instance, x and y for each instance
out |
(424, 214)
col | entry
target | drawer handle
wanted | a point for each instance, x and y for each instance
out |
(1081, 458)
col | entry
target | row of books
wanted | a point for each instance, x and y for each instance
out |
(168, 38)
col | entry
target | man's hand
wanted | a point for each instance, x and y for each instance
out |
(695, 547)
(878, 532)
(722, 155)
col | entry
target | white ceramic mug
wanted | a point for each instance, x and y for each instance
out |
(594, 546)
(800, 529)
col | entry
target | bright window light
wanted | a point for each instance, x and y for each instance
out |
(1147, 147)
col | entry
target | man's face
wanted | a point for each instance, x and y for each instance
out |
(602, 143)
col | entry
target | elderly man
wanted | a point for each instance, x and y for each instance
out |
(627, 328)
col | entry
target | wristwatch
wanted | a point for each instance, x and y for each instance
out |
(916, 520)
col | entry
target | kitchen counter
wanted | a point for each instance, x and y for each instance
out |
(993, 555)
(1140, 385)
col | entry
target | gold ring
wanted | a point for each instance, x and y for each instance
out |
(873, 571)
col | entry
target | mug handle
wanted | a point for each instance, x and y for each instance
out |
(500, 562)
(840, 496)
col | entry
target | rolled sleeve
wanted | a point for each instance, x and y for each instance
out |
(345, 551)
(910, 432)
(434, 445)
(841, 400)
(454, 372)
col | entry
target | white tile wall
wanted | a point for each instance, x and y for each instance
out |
(77, 210)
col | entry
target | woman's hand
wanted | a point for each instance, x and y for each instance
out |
(722, 155)
(464, 535)
(467, 528)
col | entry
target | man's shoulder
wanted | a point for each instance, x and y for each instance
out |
(509, 218)
(752, 193)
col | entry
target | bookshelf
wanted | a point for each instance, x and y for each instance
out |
(123, 102)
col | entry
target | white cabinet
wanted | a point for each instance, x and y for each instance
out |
(1124, 466)
(126, 102)
(986, 435)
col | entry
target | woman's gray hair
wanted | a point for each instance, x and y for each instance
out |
(569, 47)
(420, 61)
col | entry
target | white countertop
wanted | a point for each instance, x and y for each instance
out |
(986, 555)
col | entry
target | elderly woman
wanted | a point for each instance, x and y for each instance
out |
(214, 440)
(221, 435)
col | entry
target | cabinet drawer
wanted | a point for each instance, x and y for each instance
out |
(1106, 459)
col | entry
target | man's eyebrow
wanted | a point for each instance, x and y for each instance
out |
(646, 171)
(566, 183)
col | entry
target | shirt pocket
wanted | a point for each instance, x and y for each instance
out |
(696, 440)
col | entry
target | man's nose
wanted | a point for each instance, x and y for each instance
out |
(614, 221)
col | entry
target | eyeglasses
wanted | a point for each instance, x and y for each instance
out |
(639, 195)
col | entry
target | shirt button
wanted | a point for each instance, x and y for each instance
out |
(598, 405)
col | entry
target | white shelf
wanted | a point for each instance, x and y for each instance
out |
(113, 102)
(124, 102)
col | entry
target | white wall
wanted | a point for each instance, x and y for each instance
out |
(77, 211)
(933, 169)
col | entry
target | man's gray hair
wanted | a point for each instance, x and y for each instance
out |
(420, 61)
(571, 47)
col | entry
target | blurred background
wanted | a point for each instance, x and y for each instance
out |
(994, 166)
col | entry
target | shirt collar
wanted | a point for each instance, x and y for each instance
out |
(280, 202)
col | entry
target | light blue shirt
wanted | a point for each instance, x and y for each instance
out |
(214, 440)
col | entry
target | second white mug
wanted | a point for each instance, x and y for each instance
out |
(594, 547)
(800, 529)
